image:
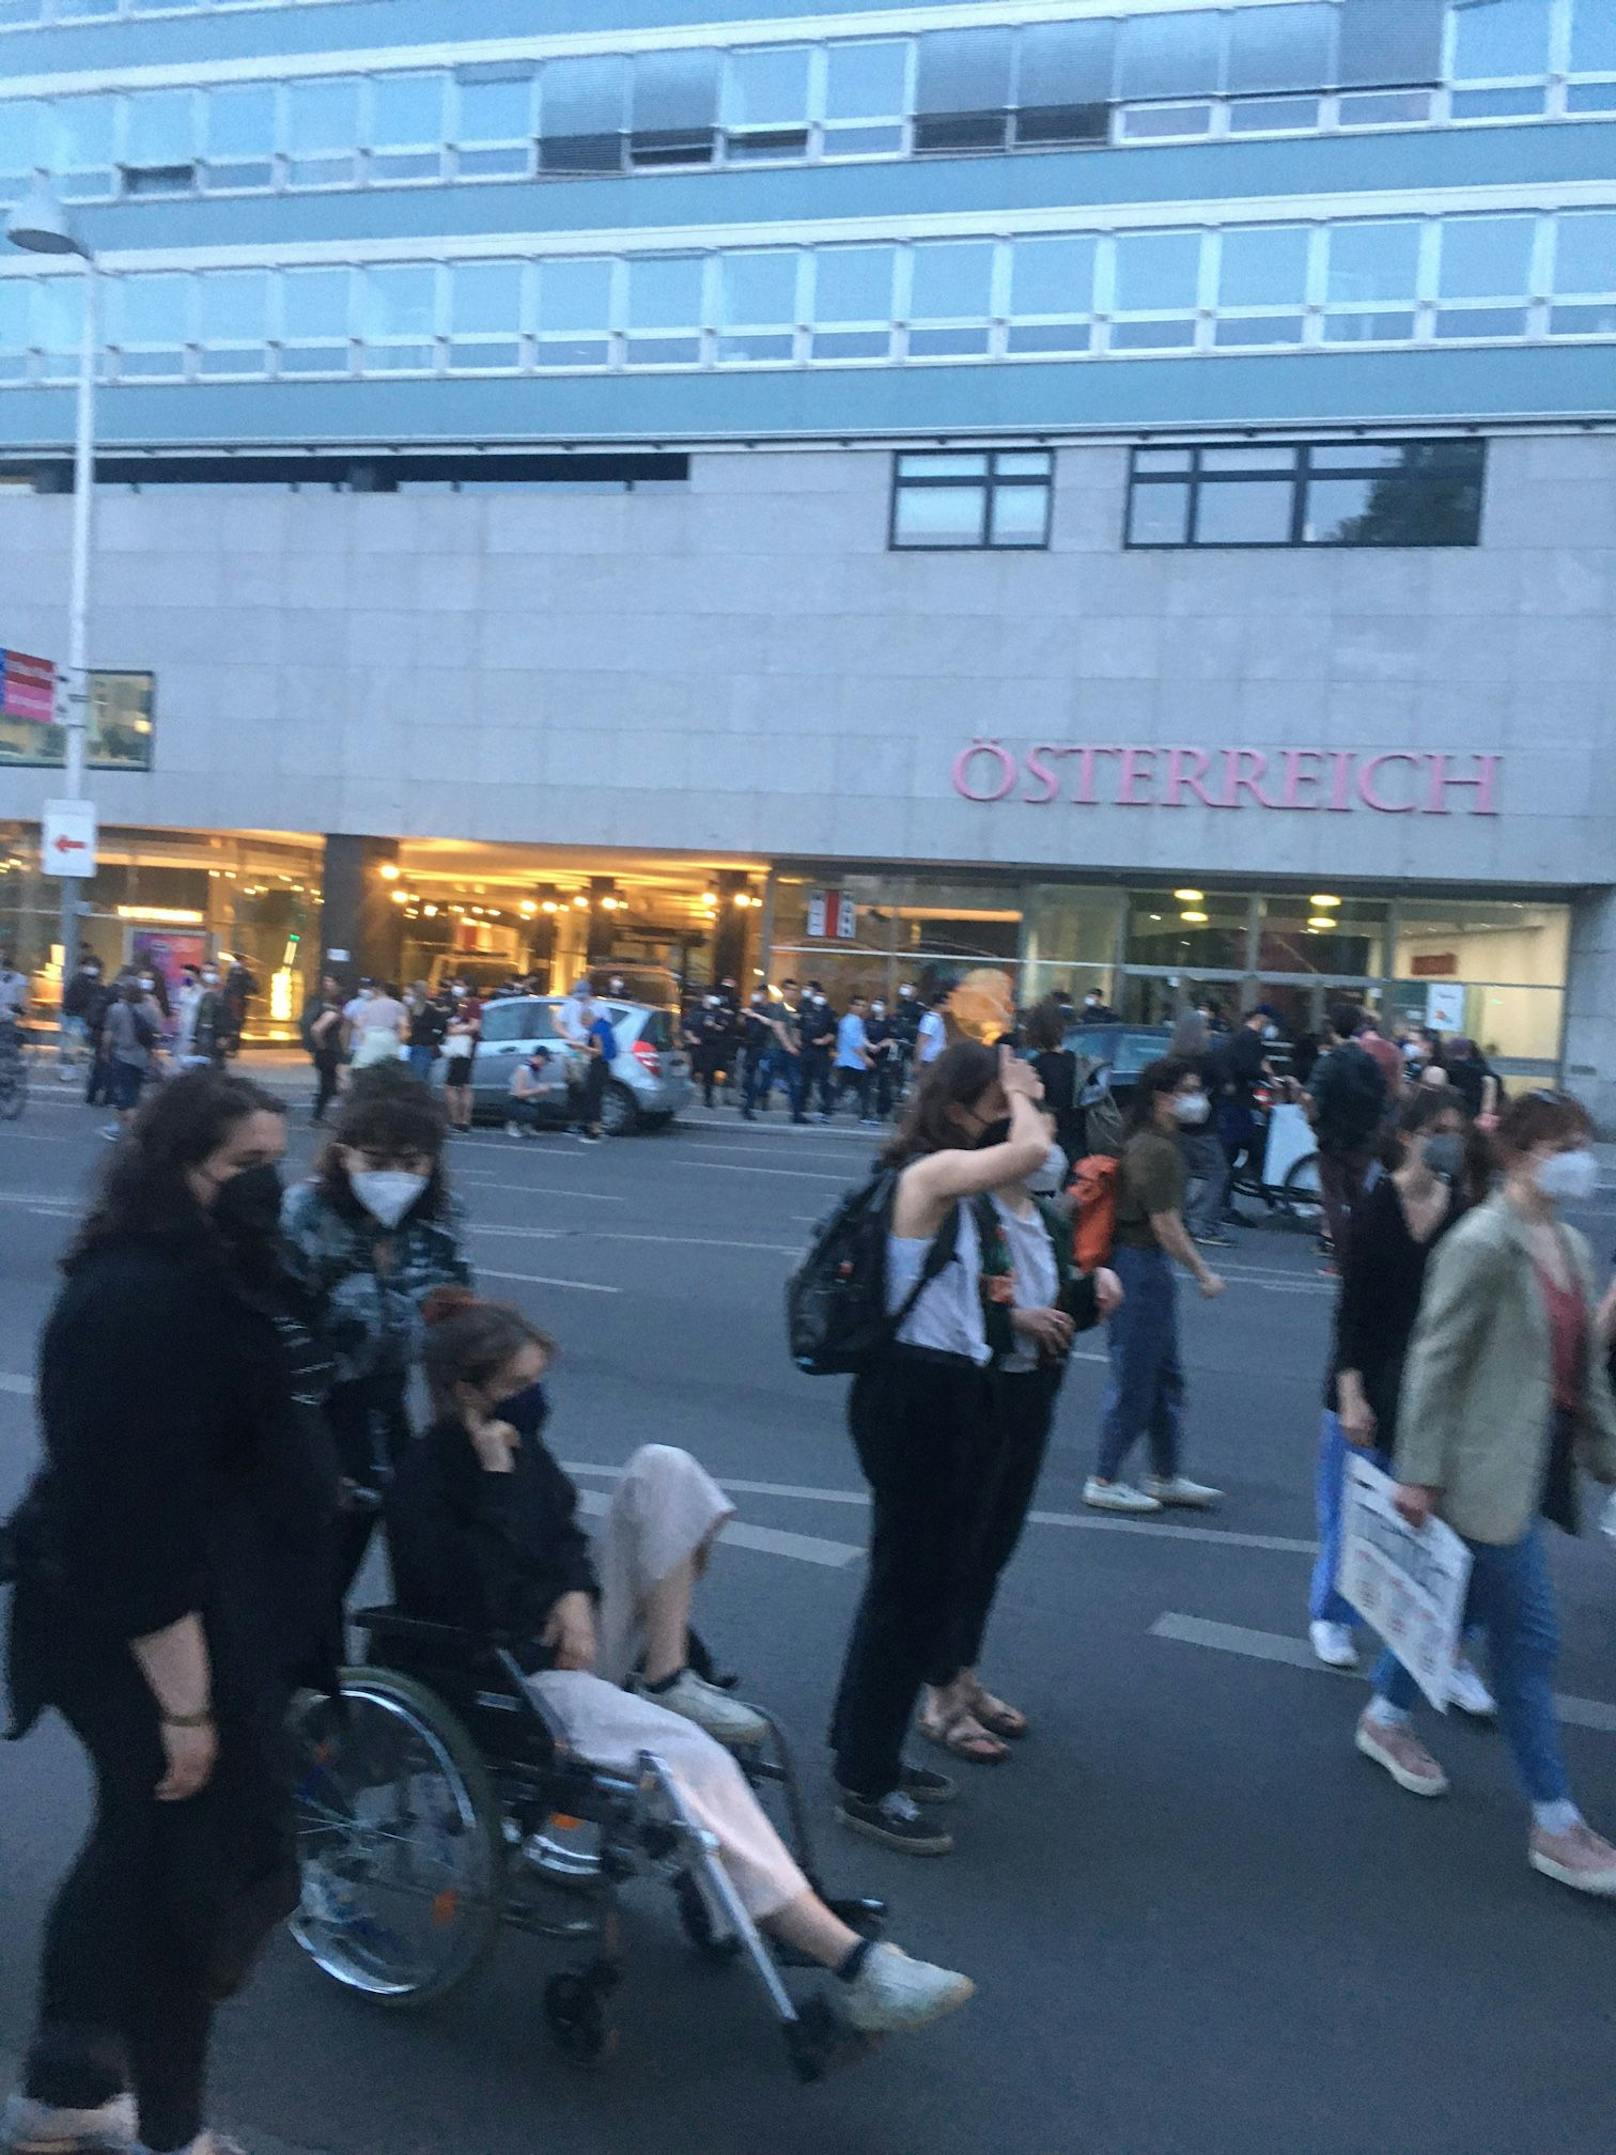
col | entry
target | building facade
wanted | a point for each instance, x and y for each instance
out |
(1122, 494)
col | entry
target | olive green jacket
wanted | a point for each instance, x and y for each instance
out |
(1476, 1409)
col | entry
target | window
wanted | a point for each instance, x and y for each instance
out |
(998, 498)
(951, 281)
(853, 285)
(399, 318)
(1315, 494)
(574, 313)
(150, 324)
(962, 96)
(1170, 56)
(1497, 39)
(406, 130)
(81, 154)
(321, 121)
(1371, 281)
(1281, 48)
(24, 136)
(160, 143)
(1063, 82)
(57, 326)
(238, 137)
(1593, 37)
(1156, 283)
(757, 306)
(492, 121)
(1385, 43)
(675, 109)
(582, 111)
(866, 97)
(233, 322)
(664, 310)
(1051, 295)
(15, 335)
(1484, 260)
(314, 321)
(766, 103)
(1262, 284)
(485, 314)
(1584, 266)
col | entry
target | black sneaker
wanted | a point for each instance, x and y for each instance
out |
(924, 1783)
(897, 1821)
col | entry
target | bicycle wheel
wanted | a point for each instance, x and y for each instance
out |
(400, 1840)
(1300, 1194)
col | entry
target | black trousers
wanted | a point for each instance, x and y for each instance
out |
(371, 1425)
(594, 1092)
(1006, 1479)
(129, 1980)
(924, 1432)
(326, 1069)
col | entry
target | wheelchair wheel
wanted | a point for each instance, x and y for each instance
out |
(400, 1840)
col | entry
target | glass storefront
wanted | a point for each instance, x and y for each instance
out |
(173, 898)
(1492, 968)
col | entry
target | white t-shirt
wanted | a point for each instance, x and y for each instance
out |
(932, 1037)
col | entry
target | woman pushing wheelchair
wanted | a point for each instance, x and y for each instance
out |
(484, 1535)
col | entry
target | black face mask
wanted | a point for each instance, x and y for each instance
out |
(527, 1411)
(996, 1133)
(248, 1206)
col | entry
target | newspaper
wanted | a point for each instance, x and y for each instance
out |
(1408, 1586)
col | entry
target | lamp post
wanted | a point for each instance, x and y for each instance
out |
(42, 226)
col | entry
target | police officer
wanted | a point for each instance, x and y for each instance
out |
(818, 1048)
(881, 1038)
(757, 1049)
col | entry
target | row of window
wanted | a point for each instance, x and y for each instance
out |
(1290, 68)
(29, 14)
(1287, 494)
(1385, 280)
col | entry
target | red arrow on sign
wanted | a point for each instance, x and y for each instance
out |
(71, 845)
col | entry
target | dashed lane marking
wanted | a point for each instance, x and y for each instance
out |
(543, 1279)
(771, 1541)
(1297, 1654)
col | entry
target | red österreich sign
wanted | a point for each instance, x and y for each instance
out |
(1336, 781)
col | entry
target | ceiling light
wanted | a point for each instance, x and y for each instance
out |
(581, 902)
(1322, 920)
(399, 897)
(430, 911)
(1189, 897)
(609, 904)
(1195, 919)
(550, 906)
(528, 909)
(1320, 899)
(388, 871)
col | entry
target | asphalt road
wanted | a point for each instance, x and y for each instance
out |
(1200, 1924)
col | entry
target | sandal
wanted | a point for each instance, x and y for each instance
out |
(962, 1735)
(997, 1717)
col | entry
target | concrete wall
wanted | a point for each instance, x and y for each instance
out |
(745, 666)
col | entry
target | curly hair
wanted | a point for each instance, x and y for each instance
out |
(145, 1190)
(385, 1110)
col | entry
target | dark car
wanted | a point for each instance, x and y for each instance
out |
(1116, 1053)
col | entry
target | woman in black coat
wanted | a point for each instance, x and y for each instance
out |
(167, 1560)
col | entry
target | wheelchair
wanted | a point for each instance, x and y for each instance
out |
(439, 1802)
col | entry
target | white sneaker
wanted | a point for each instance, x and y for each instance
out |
(1334, 1645)
(31, 2128)
(1176, 1489)
(894, 1995)
(1579, 1858)
(694, 1699)
(513, 1129)
(1117, 1496)
(1467, 1691)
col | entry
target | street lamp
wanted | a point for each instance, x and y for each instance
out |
(42, 226)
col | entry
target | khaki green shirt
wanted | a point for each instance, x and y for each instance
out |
(1151, 1181)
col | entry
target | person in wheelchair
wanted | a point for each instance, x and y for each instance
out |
(484, 1535)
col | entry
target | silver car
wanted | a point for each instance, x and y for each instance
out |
(649, 1082)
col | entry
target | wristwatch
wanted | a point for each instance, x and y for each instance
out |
(197, 1720)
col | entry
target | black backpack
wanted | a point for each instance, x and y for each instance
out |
(837, 1320)
(1349, 1094)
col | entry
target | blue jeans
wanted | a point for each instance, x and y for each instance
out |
(1325, 1605)
(421, 1061)
(1145, 1396)
(1512, 1600)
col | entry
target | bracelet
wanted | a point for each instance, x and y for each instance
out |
(198, 1720)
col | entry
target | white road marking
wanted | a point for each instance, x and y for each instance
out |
(1296, 1653)
(541, 1279)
